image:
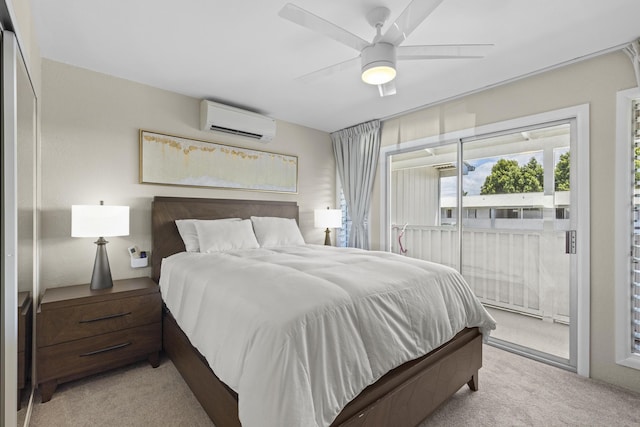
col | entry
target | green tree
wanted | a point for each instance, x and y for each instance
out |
(561, 173)
(508, 177)
(502, 179)
(531, 177)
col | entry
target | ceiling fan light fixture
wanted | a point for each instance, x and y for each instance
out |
(378, 63)
(378, 75)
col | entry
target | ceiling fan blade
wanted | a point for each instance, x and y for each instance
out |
(308, 20)
(330, 70)
(413, 15)
(387, 89)
(446, 51)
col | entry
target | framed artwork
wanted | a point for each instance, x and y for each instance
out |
(174, 160)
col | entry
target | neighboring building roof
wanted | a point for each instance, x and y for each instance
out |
(535, 200)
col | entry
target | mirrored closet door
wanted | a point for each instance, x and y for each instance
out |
(19, 243)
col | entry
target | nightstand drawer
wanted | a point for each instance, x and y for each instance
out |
(99, 352)
(87, 320)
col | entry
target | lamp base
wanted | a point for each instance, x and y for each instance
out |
(101, 277)
(327, 237)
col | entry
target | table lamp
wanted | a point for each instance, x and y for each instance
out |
(327, 218)
(100, 221)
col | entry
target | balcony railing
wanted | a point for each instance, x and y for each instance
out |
(525, 271)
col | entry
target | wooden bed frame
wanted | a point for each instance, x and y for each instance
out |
(403, 397)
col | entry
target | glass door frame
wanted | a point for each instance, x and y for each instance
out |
(580, 262)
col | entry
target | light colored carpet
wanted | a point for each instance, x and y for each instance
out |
(514, 391)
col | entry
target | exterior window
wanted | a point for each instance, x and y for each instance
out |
(532, 213)
(562, 213)
(448, 216)
(509, 213)
(627, 228)
(635, 231)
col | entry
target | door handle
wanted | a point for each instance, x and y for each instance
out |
(570, 242)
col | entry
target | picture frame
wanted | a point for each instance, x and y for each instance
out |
(181, 161)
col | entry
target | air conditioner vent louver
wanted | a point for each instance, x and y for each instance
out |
(234, 121)
(235, 132)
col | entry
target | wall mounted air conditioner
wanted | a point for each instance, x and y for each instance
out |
(230, 120)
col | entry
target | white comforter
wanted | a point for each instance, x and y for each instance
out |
(298, 332)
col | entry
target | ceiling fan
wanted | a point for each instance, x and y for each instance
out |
(378, 57)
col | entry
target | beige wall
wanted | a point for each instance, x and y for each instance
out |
(595, 82)
(90, 125)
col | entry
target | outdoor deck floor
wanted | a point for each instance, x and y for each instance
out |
(527, 331)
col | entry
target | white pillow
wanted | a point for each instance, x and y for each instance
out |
(187, 230)
(272, 232)
(219, 236)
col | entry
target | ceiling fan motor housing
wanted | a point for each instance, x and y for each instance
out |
(380, 57)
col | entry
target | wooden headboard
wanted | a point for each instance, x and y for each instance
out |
(165, 210)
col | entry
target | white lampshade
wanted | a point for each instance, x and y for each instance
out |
(99, 221)
(327, 218)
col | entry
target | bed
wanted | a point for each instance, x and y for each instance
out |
(404, 396)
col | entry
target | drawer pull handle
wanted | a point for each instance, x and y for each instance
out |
(104, 350)
(110, 316)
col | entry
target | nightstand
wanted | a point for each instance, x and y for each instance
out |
(24, 340)
(82, 332)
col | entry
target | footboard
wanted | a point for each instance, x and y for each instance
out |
(408, 394)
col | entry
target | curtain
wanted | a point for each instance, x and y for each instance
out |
(633, 51)
(356, 150)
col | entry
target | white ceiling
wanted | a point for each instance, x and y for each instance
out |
(240, 52)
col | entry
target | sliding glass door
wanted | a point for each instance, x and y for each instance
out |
(504, 219)
(516, 222)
